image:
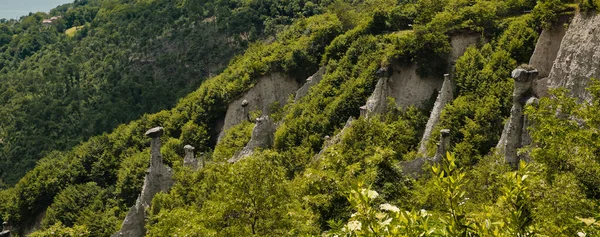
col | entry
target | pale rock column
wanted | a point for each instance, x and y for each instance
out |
(414, 168)
(511, 137)
(442, 146)
(245, 104)
(190, 160)
(444, 97)
(158, 179)
(377, 101)
(155, 145)
(525, 136)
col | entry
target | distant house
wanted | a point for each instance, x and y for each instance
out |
(52, 20)
(47, 22)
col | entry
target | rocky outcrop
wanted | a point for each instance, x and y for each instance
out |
(546, 50)
(377, 102)
(578, 58)
(563, 57)
(445, 96)
(268, 90)
(159, 178)
(263, 135)
(414, 168)
(406, 87)
(512, 135)
(329, 141)
(310, 82)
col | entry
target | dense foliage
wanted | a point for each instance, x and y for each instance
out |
(104, 63)
(303, 185)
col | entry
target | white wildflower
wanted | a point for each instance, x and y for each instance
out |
(581, 234)
(354, 225)
(380, 215)
(370, 193)
(386, 222)
(354, 214)
(424, 213)
(389, 207)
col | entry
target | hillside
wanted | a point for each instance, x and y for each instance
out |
(384, 118)
(102, 63)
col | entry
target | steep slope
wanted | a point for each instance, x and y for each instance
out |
(280, 190)
(120, 60)
(187, 123)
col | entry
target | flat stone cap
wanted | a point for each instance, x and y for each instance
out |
(154, 132)
(188, 148)
(445, 132)
(364, 107)
(446, 76)
(522, 75)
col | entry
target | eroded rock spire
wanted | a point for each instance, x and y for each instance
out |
(158, 179)
(512, 135)
(444, 97)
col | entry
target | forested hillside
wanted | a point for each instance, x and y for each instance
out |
(323, 173)
(103, 63)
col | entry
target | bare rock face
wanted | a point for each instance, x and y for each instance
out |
(310, 82)
(460, 43)
(263, 135)
(414, 168)
(404, 85)
(445, 96)
(512, 135)
(547, 46)
(408, 88)
(377, 102)
(159, 178)
(578, 58)
(269, 89)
